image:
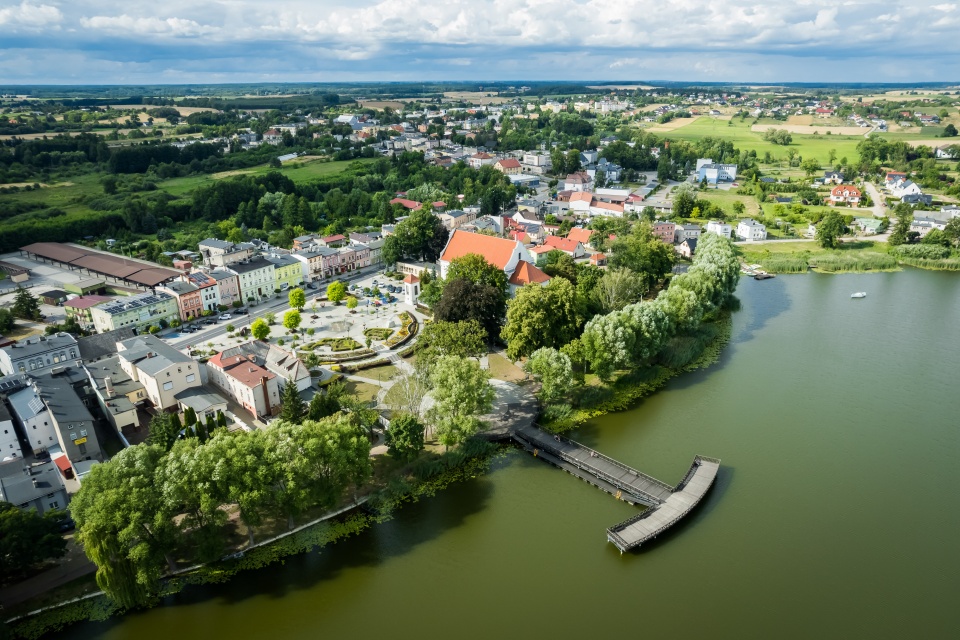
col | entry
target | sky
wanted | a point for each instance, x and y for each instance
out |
(219, 41)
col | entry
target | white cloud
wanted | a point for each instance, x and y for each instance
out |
(125, 24)
(31, 16)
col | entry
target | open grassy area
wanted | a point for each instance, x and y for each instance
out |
(503, 369)
(797, 257)
(363, 391)
(725, 199)
(383, 372)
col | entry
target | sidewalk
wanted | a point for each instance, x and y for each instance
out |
(72, 566)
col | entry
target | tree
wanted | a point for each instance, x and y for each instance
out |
(560, 264)
(25, 305)
(352, 302)
(465, 300)
(27, 538)
(739, 208)
(810, 166)
(260, 329)
(165, 429)
(830, 229)
(952, 231)
(644, 254)
(292, 407)
(125, 524)
(464, 339)
(618, 288)
(475, 268)
(542, 316)
(555, 372)
(461, 393)
(404, 437)
(409, 390)
(291, 320)
(421, 236)
(336, 291)
(949, 131)
(298, 299)
(327, 402)
(684, 200)
(7, 321)
(901, 229)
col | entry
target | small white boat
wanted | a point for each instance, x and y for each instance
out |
(859, 294)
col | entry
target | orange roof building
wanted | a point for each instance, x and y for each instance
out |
(502, 253)
(527, 273)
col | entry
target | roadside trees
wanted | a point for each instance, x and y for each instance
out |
(27, 538)
(298, 299)
(336, 291)
(260, 329)
(830, 229)
(291, 320)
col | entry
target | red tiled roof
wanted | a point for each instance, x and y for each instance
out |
(581, 196)
(580, 235)
(496, 251)
(542, 249)
(563, 244)
(598, 258)
(241, 369)
(334, 238)
(526, 272)
(609, 206)
(409, 204)
(411, 279)
(844, 189)
(509, 163)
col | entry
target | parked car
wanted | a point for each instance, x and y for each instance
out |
(210, 322)
(241, 312)
(188, 330)
(224, 316)
(312, 285)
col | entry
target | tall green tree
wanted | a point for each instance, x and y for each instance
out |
(405, 437)
(27, 538)
(617, 288)
(165, 430)
(830, 229)
(291, 320)
(461, 394)
(125, 524)
(465, 339)
(554, 370)
(336, 291)
(260, 329)
(465, 300)
(25, 305)
(297, 298)
(644, 254)
(901, 228)
(421, 236)
(292, 407)
(475, 268)
(543, 316)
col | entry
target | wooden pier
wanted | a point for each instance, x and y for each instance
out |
(665, 504)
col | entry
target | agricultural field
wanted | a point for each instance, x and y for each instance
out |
(296, 171)
(396, 105)
(476, 97)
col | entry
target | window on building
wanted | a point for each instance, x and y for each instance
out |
(83, 449)
(167, 386)
(54, 505)
(191, 377)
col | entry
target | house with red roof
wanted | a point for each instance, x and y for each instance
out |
(247, 382)
(845, 193)
(507, 255)
(507, 166)
(412, 205)
(568, 245)
(581, 235)
(525, 274)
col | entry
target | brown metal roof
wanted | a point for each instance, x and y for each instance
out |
(153, 277)
(54, 251)
(115, 267)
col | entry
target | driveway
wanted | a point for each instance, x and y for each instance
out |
(879, 207)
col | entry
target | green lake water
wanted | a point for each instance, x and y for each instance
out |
(835, 513)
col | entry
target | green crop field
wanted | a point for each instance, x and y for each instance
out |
(816, 146)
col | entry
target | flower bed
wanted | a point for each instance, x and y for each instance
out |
(378, 333)
(407, 330)
(350, 368)
(338, 344)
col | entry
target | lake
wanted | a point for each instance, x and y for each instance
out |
(834, 513)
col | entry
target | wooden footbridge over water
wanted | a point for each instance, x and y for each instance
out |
(665, 504)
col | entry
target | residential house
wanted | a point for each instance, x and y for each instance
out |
(302, 242)
(868, 226)
(905, 188)
(9, 442)
(117, 393)
(220, 253)
(228, 286)
(945, 152)
(272, 136)
(581, 235)
(208, 288)
(480, 159)
(32, 486)
(540, 253)
(71, 420)
(78, 309)
(508, 166)
(456, 218)
(752, 230)
(687, 248)
(893, 177)
(162, 370)
(188, 296)
(686, 232)
(569, 246)
(137, 311)
(248, 383)
(335, 240)
(720, 228)
(373, 242)
(835, 177)
(844, 193)
(34, 419)
(257, 278)
(664, 230)
(713, 172)
(287, 271)
(917, 198)
(579, 181)
(317, 262)
(598, 259)
(38, 355)
(410, 205)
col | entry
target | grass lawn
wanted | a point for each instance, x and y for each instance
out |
(780, 257)
(296, 171)
(383, 372)
(363, 391)
(502, 369)
(725, 200)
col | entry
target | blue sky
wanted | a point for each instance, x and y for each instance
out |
(204, 41)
